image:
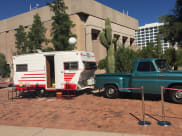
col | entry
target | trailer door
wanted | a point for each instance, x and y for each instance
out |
(50, 70)
(59, 72)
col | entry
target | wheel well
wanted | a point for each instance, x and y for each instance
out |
(110, 85)
(175, 84)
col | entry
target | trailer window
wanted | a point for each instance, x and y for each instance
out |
(89, 65)
(71, 65)
(21, 68)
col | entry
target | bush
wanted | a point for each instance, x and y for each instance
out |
(4, 67)
(124, 59)
(102, 64)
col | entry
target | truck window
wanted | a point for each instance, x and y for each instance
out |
(162, 65)
(89, 65)
(70, 65)
(145, 67)
(21, 68)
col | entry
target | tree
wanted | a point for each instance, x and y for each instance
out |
(172, 31)
(171, 56)
(4, 67)
(172, 28)
(149, 51)
(36, 35)
(124, 59)
(158, 48)
(21, 40)
(179, 56)
(61, 26)
(108, 42)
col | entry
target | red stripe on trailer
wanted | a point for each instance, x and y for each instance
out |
(52, 89)
(69, 73)
(32, 85)
(33, 77)
(30, 80)
(70, 86)
(67, 78)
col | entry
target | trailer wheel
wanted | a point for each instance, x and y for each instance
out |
(40, 92)
(111, 91)
(176, 96)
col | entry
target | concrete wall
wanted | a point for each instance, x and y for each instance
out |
(98, 24)
(88, 15)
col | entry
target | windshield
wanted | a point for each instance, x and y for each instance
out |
(90, 65)
(162, 65)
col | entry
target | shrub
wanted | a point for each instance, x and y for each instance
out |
(4, 67)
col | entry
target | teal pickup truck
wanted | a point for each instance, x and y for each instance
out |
(149, 73)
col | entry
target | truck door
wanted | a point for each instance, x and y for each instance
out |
(146, 76)
(59, 72)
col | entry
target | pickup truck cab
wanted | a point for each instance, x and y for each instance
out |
(149, 73)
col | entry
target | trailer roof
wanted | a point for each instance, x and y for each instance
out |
(52, 52)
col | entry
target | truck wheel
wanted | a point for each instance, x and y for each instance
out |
(176, 96)
(111, 91)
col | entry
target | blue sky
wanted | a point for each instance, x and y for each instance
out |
(146, 11)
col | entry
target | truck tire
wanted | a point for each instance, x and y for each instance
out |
(176, 96)
(111, 91)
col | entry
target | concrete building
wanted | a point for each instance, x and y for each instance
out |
(89, 17)
(148, 33)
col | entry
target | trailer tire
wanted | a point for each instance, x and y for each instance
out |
(176, 96)
(40, 92)
(111, 91)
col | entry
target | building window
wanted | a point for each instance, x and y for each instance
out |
(124, 40)
(131, 41)
(95, 34)
(116, 36)
(21, 68)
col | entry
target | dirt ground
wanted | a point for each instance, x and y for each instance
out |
(90, 111)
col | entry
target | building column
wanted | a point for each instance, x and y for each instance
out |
(88, 38)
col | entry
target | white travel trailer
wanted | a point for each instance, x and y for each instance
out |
(54, 71)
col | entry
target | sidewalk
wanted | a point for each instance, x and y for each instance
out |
(35, 131)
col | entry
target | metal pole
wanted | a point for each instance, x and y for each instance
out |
(162, 101)
(143, 105)
(12, 94)
(163, 122)
(8, 94)
(144, 122)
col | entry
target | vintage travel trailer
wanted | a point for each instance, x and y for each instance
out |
(54, 71)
